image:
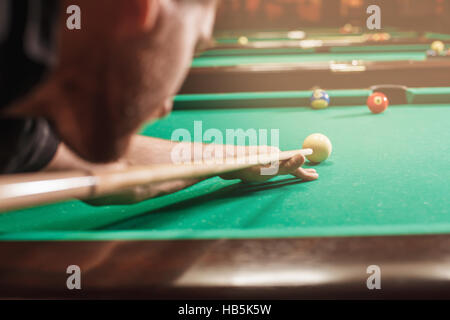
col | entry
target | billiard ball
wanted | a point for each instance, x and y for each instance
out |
(243, 40)
(319, 99)
(321, 146)
(347, 28)
(377, 102)
(438, 46)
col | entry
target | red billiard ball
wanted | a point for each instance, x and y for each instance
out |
(377, 102)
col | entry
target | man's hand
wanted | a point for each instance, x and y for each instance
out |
(291, 166)
(148, 151)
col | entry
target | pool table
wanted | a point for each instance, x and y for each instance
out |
(233, 36)
(382, 199)
(332, 66)
(296, 42)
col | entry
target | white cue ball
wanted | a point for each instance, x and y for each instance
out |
(321, 146)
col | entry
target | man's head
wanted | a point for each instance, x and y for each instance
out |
(121, 69)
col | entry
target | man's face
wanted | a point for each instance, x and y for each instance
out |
(117, 83)
(190, 25)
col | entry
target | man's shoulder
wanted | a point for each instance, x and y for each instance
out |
(27, 45)
(29, 25)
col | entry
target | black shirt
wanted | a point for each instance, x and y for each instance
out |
(26, 55)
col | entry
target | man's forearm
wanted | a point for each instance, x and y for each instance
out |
(142, 151)
(149, 150)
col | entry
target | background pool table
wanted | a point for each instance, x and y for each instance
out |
(332, 66)
(316, 43)
(382, 198)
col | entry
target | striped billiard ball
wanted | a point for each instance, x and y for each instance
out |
(432, 53)
(319, 99)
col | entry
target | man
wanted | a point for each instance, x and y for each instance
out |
(74, 99)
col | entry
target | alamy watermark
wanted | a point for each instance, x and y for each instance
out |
(231, 146)
(373, 22)
(374, 280)
(73, 21)
(74, 280)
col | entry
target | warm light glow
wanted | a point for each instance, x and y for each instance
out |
(243, 278)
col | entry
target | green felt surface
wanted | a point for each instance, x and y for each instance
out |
(300, 98)
(345, 49)
(437, 36)
(210, 61)
(329, 33)
(249, 52)
(388, 174)
(383, 48)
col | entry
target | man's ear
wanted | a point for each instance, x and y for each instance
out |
(153, 10)
(141, 16)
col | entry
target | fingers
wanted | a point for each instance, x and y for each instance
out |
(291, 165)
(306, 174)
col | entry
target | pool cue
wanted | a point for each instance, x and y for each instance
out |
(19, 191)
